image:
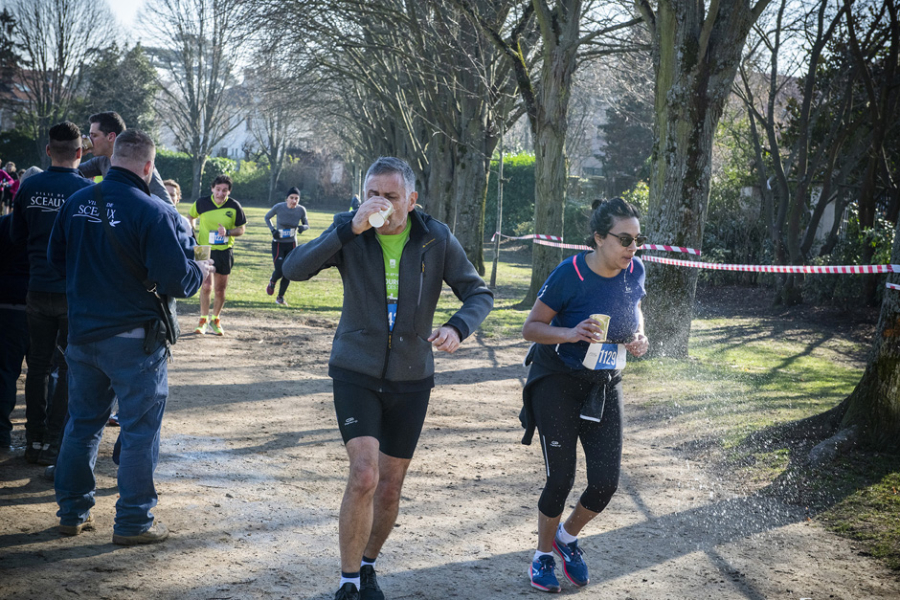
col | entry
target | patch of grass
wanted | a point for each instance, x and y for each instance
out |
(323, 294)
(868, 509)
(745, 374)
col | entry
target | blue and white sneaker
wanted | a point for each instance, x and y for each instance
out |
(573, 565)
(542, 575)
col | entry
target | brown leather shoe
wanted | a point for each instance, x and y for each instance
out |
(86, 525)
(157, 533)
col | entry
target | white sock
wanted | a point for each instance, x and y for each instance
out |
(564, 536)
(538, 554)
(353, 580)
(367, 563)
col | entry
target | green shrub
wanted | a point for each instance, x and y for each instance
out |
(250, 179)
(20, 148)
(845, 290)
(518, 195)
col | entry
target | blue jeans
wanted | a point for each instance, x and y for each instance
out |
(13, 346)
(98, 372)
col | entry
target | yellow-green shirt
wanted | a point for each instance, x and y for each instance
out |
(230, 215)
(392, 248)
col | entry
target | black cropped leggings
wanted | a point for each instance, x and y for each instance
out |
(556, 403)
(280, 250)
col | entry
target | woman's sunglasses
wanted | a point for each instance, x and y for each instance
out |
(626, 239)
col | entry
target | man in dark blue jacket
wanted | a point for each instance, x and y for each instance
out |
(114, 349)
(13, 324)
(36, 205)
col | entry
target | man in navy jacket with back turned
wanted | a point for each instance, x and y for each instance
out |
(114, 349)
(37, 203)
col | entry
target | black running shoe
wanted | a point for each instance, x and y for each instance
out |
(347, 592)
(33, 451)
(368, 584)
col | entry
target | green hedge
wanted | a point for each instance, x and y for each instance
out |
(19, 148)
(251, 179)
(518, 201)
(177, 166)
(518, 194)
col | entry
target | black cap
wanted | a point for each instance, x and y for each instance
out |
(293, 190)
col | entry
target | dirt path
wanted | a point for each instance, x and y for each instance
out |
(252, 470)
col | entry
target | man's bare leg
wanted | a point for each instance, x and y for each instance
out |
(205, 293)
(386, 505)
(355, 526)
(221, 283)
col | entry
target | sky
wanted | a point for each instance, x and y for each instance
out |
(125, 11)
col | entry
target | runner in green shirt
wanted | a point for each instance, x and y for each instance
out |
(218, 220)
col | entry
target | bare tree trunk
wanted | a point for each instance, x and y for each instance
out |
(696, 56)
(440, 178)
(198, 163)
(874, 406)
(470, 195)
(551, 165)
(274, 176)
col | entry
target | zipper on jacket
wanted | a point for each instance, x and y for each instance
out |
(421, 283)
(387, 353)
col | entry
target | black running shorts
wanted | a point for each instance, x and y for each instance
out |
(223, 260)
(395, 420)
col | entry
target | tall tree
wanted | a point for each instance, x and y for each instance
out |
(696, 52)
(806, 132)
(201, 42)
(875, 50)
(277, 119)
(433, 95)
(9, 55)
(57, 39)
(874, 405)
(125, 82)
(546, 98)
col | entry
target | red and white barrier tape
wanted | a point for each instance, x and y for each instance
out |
(827, 270)
(556, 243)
(531, 236)
(566, 246)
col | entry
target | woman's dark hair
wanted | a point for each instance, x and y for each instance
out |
(604, 216)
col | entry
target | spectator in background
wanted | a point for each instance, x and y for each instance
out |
(174, 191)
(38, 202)
(6, 182)
(29, 172)
(13, 324)
(10, 169)
(105, 127)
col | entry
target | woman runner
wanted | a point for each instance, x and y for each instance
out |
(567, 400)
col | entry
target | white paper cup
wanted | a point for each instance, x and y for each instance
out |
(378, 219)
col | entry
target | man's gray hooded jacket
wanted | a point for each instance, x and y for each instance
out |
(363, 343)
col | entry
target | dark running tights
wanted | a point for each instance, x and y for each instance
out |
(279, 253)
(556, 402)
